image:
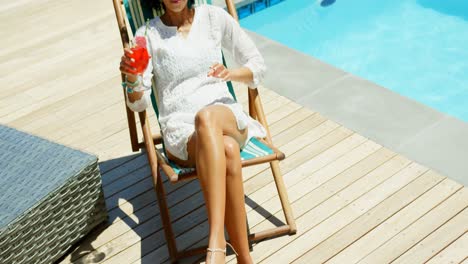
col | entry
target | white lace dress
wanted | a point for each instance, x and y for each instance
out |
(180, 65)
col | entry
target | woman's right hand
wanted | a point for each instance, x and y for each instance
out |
(126, 65)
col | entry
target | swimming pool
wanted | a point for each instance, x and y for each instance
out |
(417, 48)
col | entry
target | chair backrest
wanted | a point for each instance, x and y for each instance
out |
(137, 15)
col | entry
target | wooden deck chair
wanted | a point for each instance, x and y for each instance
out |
(257, 151)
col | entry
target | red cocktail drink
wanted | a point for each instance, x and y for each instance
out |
(140, 55)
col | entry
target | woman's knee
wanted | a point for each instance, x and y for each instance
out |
(205, 118)
(233, 161)
(231, 147)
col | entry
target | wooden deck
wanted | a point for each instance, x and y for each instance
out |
(353, 199)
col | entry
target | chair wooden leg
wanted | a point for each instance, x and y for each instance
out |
(283, 197)
(166, 220)
(252, 111)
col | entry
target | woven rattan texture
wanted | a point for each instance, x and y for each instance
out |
(31, 168)
(50, 222)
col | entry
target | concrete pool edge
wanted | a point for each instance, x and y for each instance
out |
(423, 134)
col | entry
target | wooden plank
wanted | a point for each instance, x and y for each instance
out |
(121, 168)
(18, 105)
(316, 234)
(290, 134)
(274, 104)
(75, 133)
(418, 230)
(51, 58)
(395, 224)
(117, 200)
(322, 209)
(25, 61)
(325, 138)
(293, 118)
(296, 182)
(112, 146)
(437, 240)
(305, 142)
(15, 5)
(317, 140)
(314, 131)
(283, 111)
(374, 217)
(106, 166)
(125, 182)
(35, 22)
(92, 130)
(67, 111)
(93, 138)
(453, 253)
(25, 18)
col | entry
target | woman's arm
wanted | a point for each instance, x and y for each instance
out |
(139, 100)
(132, 97)
(244, 51)
(241, 74)
(138, 97)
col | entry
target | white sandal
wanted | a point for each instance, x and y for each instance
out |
(214, 250)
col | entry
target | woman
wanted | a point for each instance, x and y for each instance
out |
(201, 124)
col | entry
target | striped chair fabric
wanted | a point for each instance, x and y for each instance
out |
(137, 15)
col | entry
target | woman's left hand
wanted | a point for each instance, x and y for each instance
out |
(219, 71)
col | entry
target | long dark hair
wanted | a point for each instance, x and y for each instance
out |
(158, 5)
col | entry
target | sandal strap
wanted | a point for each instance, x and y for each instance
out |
(223, 250)
(216, 250)
(235, 252)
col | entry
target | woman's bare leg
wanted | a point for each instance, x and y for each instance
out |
(235, 216)
(207, 148)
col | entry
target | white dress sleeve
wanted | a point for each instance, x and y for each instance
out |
(238, 43)
(145, 81)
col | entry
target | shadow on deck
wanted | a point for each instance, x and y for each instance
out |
(133, 212)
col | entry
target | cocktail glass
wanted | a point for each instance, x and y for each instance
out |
(140, 56)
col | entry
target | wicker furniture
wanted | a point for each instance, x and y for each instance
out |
(50, 197)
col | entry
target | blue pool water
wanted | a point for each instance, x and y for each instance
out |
(418, 48)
